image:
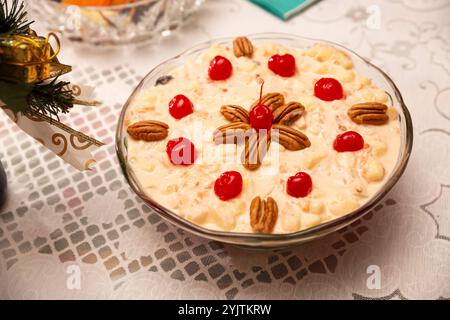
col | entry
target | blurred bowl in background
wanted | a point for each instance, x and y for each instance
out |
(128, 22)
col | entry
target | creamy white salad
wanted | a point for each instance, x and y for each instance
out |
(342, 181)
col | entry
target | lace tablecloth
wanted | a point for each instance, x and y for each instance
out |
(66, 234)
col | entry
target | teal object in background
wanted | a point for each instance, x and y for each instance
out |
(284, 9)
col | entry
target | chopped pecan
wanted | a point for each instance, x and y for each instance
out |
(289, 113)
(290, 138)
(234, 113)
(369, 113)
(256, 148)
(272, 100)
(263, 215)
(148, 130)
(242, 47)
(231, 133)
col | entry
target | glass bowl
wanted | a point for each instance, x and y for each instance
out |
(116, 24)
(272, 240)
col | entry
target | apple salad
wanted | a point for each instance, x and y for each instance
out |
(262, 138)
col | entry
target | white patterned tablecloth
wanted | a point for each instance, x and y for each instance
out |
(59, 223)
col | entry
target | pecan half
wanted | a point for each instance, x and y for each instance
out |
(234, 113)
(369, 113)
(242, 47)
(289, 113)
(231, 133)
(148, 130)
(256, 148)
(290, 138)
(272, 100)
(263, 215)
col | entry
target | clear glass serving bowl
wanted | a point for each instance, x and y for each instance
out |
(116, 24)
(272, 240)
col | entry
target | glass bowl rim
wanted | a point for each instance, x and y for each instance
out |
(110, 7)
(253, 239)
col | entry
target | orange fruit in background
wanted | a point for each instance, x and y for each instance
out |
(115, 2)
(95, 2)
(88, 2)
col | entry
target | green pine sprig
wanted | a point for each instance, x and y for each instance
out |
(51, 99)
(47, 98)
(13, 20)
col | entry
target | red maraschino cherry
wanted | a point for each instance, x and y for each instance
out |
(283, 65)
(348, 141)
(261, 117)
(228, 185)
(220, 68)
(180, 106)
(181, 151)
(300, 185)
(328, 89)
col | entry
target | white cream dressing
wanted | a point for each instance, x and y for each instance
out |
(342, 182)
